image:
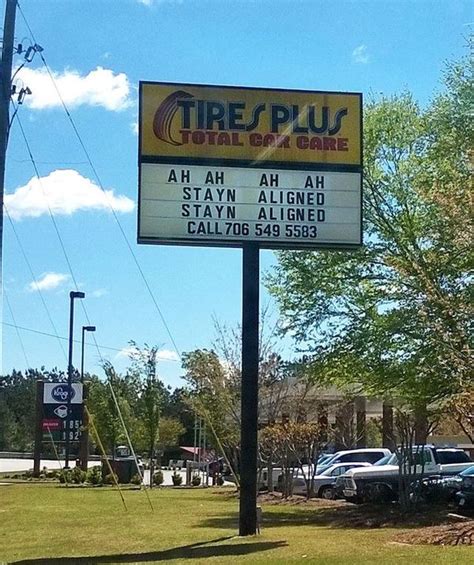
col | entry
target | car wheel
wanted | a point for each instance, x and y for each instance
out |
(327, 493)
(378, 493)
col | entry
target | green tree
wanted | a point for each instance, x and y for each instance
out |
(103, 409)
(170, 432)
(393, 316)
(18, 406)
(215, 397)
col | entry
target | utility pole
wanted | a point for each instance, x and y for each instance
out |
(5, 82)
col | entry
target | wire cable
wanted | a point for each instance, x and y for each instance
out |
(61, 242)
(17, 330)
(35, 280)
(122, 231)
(99, 182)
(56, 336)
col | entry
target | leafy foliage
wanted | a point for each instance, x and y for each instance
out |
(394, 315)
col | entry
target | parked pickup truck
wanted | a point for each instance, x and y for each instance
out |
(381, 481)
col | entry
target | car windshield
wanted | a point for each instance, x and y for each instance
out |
(328, 470)
(325, 458)
(385, 460)
(468, 471)
(322, 468)
(392, 460)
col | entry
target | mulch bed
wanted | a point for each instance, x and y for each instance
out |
(273, 498)
(430, 524)
(448, 534)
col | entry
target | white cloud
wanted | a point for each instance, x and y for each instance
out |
(66, 192)
(151, 2)
(134, 128)
(162, 355)
(168, 355)
(101, 87)
(48, 281)
(99, 293)
(360, 55)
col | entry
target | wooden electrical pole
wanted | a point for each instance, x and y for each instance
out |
(5, 93)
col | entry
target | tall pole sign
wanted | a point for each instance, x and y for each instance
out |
(252, 168)
(59, 416)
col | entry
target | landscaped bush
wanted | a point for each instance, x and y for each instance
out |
(72, 476)
(111, 479)
(94, 475)
(177, 479)
(65, 476)
(220, 480)
(78, 476)
(196, 480)
(158, 478)
(136, 479)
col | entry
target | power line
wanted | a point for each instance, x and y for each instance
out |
(77, 341)
(94, 170)
(56, 228)
(35, 280)
(46, 200)
(51, 162)
(17, 329)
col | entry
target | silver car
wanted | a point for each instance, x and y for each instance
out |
(324, 482)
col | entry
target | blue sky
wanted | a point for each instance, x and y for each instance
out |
(97, 52)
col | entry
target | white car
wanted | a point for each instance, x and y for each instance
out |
(324, 482)
(364, 455)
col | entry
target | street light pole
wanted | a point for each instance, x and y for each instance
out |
(72, 295)
(84, 330)
(84, 441)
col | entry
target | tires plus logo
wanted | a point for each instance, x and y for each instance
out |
(210, 121)
(60, 393)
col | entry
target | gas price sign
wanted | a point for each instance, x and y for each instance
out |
(222, 166)
(55, 411)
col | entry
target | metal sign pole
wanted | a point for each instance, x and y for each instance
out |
(38, 428)
(249, 400)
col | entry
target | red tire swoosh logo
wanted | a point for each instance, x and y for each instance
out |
(164, 116)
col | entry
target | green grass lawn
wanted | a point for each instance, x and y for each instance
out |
(51, 524)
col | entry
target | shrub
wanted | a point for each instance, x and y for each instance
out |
(177, 479)
(220, 480)
(136, 479)
(196, 480)
(158, 478)
(111, 479)
(65, 476)
(94, 475)
(78, 476)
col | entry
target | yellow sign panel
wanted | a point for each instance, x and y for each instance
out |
(249, 125)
